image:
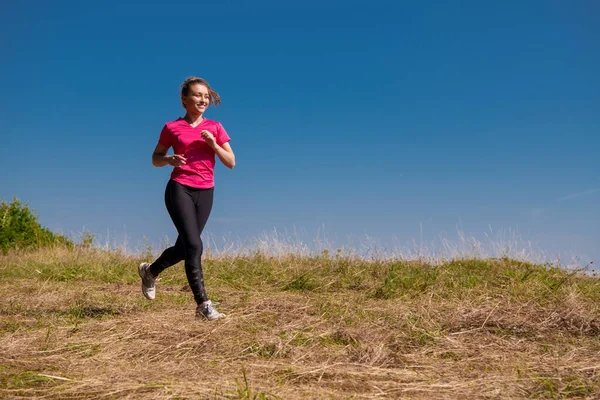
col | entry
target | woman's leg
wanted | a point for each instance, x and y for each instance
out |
(203, 201)
(175, 253)
(168, 258)
(179, 204)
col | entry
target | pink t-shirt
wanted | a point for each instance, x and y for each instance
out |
(186, 140)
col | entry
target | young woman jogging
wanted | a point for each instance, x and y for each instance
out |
(189, 193)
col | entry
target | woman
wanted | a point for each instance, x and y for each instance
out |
(189, 193)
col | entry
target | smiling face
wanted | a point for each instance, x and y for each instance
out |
(197, 100)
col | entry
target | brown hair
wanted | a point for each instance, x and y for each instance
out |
(192, 80)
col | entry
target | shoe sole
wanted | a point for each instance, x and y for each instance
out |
(202, 316)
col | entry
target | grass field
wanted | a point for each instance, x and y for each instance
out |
(74, 325)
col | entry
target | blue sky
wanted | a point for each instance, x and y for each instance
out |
(379, 119)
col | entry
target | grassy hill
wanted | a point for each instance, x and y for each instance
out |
(74, 325)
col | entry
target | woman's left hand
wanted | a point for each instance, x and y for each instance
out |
(209, 138)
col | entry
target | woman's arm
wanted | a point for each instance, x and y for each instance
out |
(224, 152)
(160, 157)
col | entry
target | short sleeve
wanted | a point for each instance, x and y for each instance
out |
(165, 138)
(222, 136)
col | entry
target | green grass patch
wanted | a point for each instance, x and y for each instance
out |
(11, 379)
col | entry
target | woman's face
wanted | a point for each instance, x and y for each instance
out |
(197, 99)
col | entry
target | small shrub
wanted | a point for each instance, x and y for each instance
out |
(20, 229)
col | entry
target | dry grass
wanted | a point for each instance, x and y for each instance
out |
(73, 325)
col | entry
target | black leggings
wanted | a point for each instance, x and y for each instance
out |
(189, 209)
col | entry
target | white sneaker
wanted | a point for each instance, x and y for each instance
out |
(208, 311)
(148, 281)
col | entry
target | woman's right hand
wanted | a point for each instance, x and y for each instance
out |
(160, 157)
(176, 160)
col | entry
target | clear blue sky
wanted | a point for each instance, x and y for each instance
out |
(384, 119)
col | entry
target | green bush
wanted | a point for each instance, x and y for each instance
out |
(20, 229)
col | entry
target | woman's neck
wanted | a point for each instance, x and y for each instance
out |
(193, 119)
